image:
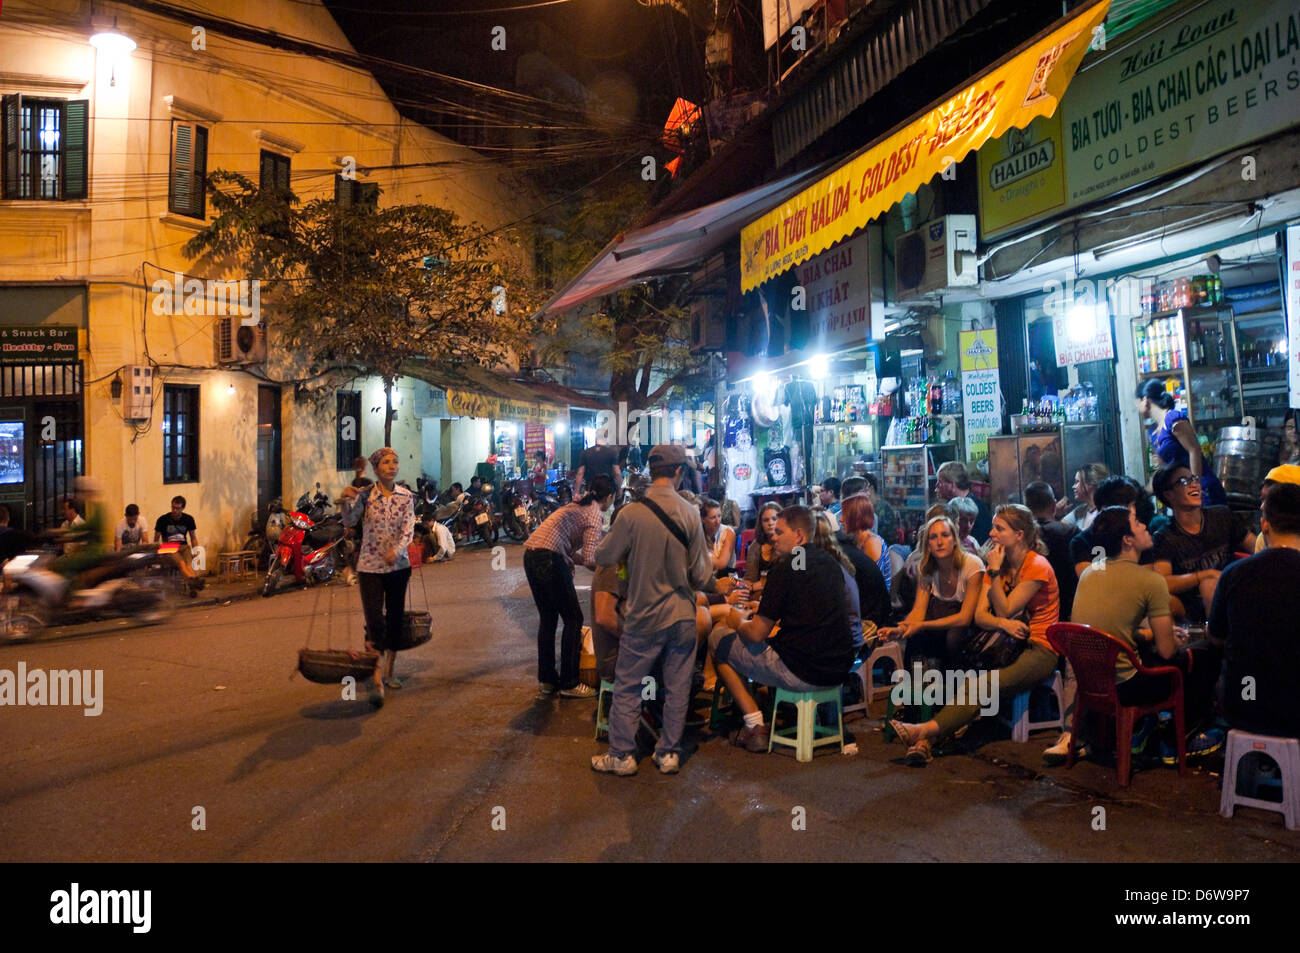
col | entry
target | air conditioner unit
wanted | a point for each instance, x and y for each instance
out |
(238, 343)
(938, 255)
(137, 395)
(708, 324)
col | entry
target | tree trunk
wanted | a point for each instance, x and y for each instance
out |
(388, 413)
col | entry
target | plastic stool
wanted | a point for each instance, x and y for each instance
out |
(602, 715)
(1284, 751)
(1019, 722)
(860, 672)
(890, 650)
(806, 731)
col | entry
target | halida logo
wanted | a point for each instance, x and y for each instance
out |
(181, 295)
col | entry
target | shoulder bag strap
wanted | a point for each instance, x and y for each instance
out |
(678, 533)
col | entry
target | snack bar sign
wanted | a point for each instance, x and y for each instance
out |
(46, 344)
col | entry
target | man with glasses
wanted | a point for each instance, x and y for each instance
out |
(1198, 543)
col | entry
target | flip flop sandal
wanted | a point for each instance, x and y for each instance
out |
(392, 682)
(919, 754)
(904, 731)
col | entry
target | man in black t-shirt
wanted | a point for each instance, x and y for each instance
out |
(176, 526)
(1255, 608)
(1198, 543)
(1041, 500)
(812, 649)
(1112, 491)
(600, 460)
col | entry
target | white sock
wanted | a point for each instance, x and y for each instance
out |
(754, 720)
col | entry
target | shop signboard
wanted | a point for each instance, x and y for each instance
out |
(1215, 77)
(538, 437)
(463, 403)
(1292, 295)
(1080, 326)
(981, 394)
(38, 344)
(837, 295)
(1011, 95)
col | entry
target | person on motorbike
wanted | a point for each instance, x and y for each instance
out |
(386, 514)
(83, 540)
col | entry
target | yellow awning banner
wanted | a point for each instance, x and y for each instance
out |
(1027, 85)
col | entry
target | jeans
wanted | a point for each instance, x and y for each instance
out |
(551, 581)
(637, 655)
(382, 598)
(756, 661)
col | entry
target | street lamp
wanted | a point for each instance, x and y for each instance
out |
(113, 45)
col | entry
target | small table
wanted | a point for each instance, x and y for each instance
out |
(237, 565)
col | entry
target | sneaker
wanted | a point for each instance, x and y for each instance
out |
(1142, 734)
(1168, 754)
(545, 688)
(668, 764)
(1058, 753)
(754, 739)
(578, 691)
(608, 764)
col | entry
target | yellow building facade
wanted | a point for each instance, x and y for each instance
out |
(103, 161)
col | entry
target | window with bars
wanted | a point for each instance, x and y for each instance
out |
(180, 427)
(189, 170)
(349, 192)
(347, 450)
(274, 172)
(44, 147)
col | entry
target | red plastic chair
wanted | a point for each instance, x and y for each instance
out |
(1092, 653)
(746, 537)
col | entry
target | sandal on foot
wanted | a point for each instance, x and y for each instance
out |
(919, 754)
(907, 734)
(392, 682)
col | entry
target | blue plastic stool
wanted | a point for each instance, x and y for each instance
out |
(1019, 721)
(807, 734)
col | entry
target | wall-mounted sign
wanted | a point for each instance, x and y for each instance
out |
(38, 344)
(464, 403)
(1028, 85)
(981, 394)
(1219, 75)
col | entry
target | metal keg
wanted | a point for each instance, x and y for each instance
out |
(1240, 460)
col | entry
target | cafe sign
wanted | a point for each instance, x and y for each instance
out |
(1027, 85)
(40, 344)
(464, 403)
(1211, 79)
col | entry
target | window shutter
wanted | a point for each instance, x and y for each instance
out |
(76, 133)
(282, 174)
(11, 120)
(266, 177)
(182, 179)
(200, 181)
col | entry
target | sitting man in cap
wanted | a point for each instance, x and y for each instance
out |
(812, 648)
(1285, 473)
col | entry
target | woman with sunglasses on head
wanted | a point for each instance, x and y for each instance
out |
(1174, 439)
(760, 554)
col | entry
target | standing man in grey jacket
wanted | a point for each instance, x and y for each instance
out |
(661, 540)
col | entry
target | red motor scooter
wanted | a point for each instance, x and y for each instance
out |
(311, 551)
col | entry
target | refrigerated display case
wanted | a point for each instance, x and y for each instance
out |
(1053, 455)
(1194, 351)
(838, 446)
(904, 476)
(1261, 340)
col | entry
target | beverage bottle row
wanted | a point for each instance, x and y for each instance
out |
(1178, 293)
(1158, 346)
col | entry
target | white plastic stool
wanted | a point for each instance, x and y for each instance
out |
(889, 650)
(1019, 721)
(1284, 751)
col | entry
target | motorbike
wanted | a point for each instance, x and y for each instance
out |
(139, 582)
(263, 531)
(476, 518)
(312, 545)
(515, 515)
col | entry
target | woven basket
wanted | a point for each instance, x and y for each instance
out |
(417, 628)
(331, 666)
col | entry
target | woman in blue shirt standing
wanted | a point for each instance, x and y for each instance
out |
(1174, 439)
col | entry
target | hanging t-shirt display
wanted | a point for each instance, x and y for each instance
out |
(776, 462)
(742, 469)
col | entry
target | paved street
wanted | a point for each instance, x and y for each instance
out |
(205, 712)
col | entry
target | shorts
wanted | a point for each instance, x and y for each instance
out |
(756, 661)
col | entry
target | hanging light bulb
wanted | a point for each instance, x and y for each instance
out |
(114, 45)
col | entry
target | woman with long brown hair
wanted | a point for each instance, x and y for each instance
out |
(1018, 596)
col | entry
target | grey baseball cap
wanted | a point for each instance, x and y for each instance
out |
(669, 453)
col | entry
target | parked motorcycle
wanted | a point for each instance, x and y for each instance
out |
(515, 516)
(311, 548)
(264, 531)
(477, 518)
(139, 582)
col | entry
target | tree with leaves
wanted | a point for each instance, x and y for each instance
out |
(646, 328)
(368, 289)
